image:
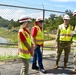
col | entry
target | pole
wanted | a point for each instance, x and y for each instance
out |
(43, 23)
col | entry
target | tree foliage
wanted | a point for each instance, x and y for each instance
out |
(50, 23)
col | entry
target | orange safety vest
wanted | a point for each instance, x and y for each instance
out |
(65, 34)
(39, 36)
(23, 51)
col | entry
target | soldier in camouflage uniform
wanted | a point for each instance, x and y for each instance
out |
(74, 44)
(64, 40)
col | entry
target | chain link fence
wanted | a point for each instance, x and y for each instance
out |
(10, 13)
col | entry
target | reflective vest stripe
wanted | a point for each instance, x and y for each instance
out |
(65, 35)
(24, 51)
(39, 40)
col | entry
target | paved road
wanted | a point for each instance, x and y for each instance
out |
(13, 68)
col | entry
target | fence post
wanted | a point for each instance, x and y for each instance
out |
(43, 25)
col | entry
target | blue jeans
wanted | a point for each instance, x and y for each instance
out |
(38, 56)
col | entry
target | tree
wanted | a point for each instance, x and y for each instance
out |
(52, 16)
(69, 12)
(58, 21)
(72, 19)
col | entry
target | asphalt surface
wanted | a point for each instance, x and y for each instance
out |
(13, 67)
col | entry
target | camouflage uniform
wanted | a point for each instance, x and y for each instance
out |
(74, 44)
(75, 55)
(66, 45)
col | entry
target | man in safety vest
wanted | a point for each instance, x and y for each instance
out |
(38, 39)
(24, 44)
(74, 43)
(64, 40)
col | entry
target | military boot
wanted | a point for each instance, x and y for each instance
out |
(34, 66)
(65, 65)
(73, 71)
(56, 65)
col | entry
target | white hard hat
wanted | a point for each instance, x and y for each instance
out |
(66, 17)
(39, 19)
(74, 12)
(24, 18)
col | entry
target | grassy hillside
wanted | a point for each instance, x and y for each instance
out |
(12, 35)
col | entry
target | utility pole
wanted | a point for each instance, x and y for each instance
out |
(43, 22)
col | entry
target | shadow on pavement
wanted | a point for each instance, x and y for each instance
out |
(58, 71)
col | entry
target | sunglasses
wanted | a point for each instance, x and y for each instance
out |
(66, 19)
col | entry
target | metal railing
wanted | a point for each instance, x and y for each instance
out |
(13, 12)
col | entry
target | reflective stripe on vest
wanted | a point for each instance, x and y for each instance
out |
(23, 51)
(65, 34)
(39, 36)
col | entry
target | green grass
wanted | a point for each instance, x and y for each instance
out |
(8, 57)
(12, 36)
(49, 48)
(47, 37)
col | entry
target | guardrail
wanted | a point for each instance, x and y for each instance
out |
(8, 44)
(15, 44)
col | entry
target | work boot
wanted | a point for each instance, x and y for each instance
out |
(65, 65)
(73, 71)
(56, 66)
(43, 71)
(35, 67)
